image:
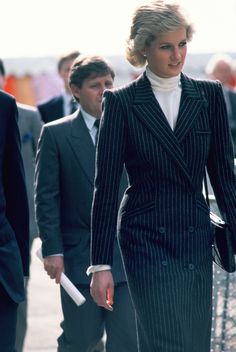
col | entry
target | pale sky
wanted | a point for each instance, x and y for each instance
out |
(34, 28)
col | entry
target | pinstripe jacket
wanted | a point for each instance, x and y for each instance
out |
(165, 170)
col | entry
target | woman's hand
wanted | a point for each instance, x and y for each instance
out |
(102, 288)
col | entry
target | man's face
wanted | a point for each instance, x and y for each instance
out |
(222, 72)
(2, 81)
(91, 92)
(64, 73)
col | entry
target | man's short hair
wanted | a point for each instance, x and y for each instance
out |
(2, 68)
(69, 57)
(89, 67)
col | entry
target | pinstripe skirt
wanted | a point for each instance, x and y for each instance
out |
(170, 280)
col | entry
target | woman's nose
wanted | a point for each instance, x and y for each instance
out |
(176, 53)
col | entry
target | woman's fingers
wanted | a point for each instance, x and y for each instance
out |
(102, 289)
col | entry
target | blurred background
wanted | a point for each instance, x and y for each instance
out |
(35, 34)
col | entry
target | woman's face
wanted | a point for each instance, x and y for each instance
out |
(166, 55)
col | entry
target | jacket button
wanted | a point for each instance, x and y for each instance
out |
(164, 262)
(162, 230)
(191, 266)
(191, 229)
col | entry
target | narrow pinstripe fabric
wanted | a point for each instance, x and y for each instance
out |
(163, 222)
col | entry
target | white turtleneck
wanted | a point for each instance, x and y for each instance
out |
(168, 93)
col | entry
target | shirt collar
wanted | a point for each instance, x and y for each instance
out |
(88, 119)
(67, 98)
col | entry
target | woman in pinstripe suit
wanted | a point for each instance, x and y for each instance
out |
(165, 127)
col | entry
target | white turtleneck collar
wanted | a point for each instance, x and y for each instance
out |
(167, 92)
(162, 84)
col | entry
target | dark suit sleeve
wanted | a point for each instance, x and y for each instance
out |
(220, 163)
(52, 109)
(47, 193)
(109, 167)
(17, 211)
(43, 112)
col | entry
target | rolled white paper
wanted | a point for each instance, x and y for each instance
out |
(72, 291)
(68, 286)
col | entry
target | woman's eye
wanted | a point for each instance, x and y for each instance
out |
(165, 47)
(182, 44)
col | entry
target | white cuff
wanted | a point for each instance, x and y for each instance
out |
(56, 255)
(93, 268)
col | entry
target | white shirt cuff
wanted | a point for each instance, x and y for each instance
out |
(56, 255)
(93, 268)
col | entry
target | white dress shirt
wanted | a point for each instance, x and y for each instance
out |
(66, 97)
(89, 121)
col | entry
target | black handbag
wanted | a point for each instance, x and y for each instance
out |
(222, 249)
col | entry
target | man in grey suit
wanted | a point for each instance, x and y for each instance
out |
(65, 170)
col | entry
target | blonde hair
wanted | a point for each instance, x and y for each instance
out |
(149, 22)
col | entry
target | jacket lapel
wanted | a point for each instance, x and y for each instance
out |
(190, 105)
(150, 113)
(82, 146)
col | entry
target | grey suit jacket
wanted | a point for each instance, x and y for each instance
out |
(65, 170)
(29, 123)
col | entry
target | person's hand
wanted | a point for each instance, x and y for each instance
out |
(102, 288)
(54, 266)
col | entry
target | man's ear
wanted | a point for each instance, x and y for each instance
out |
(143, 52)
(75, 90)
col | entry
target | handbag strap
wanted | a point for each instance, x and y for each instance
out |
(206, 188)
(214, 218)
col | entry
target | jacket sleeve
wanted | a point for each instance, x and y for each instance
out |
(47, 193)
(220, 164)
(109, 167)
(17, 212)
